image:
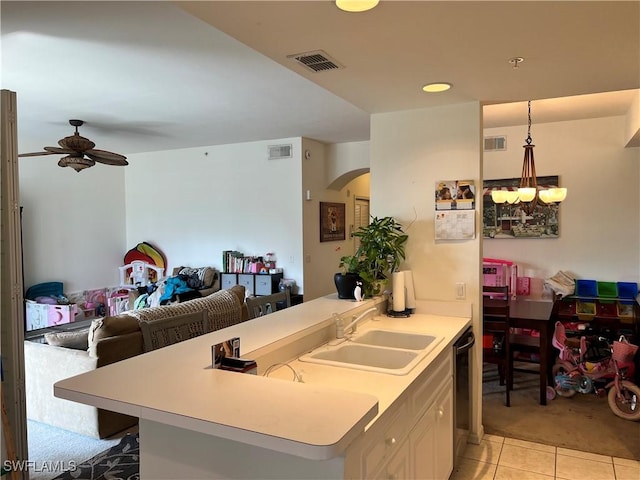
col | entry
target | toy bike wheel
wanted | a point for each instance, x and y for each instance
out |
(585, 385)
(551, 393)
(560, 369)
(625, 402)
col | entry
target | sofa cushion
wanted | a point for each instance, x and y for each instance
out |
(111, 327)
(76, 339)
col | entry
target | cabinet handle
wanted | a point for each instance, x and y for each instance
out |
(390, 441)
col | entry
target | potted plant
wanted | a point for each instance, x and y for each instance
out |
(346, 280)
(382, 248)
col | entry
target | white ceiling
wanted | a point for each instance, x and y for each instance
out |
(148, 76)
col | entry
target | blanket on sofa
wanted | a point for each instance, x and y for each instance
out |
(174, 286)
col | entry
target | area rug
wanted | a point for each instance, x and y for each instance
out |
(583, 422)
(120, 462)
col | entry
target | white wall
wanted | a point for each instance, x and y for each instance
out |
(73, 223)
(599, 230)
(194, 203)
(410, 152)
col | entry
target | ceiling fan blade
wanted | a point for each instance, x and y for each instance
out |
(108, 158)
(60, 151)
(35, 154)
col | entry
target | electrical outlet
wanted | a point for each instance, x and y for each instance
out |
(461, 291)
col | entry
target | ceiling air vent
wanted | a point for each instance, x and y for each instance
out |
(492, 144)
(316, 61)
(277, 152)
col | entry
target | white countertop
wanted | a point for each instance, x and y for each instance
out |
(316, 419)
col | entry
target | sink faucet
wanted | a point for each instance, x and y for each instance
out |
(340, 328)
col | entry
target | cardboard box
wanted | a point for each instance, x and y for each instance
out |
(42, 315)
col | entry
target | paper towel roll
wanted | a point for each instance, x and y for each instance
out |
(410, 297)
(397, 283)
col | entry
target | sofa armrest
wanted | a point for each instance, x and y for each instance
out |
(113, 349)
(44, 366)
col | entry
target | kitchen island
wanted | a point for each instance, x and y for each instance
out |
(199, 422)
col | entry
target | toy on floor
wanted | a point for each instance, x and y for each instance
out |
(595, 365)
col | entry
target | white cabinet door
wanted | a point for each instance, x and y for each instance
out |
(398, 466)
(431, 440)
(444, 432)
(422, 446)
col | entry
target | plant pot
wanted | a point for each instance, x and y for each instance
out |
(346, 284)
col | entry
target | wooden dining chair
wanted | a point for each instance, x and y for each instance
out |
(266, 304)
(525, 349)
(495, 326)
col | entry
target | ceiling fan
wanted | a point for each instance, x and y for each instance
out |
(79, 152)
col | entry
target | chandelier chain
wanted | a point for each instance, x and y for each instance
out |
(529, 140)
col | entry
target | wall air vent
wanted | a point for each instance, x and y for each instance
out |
(316, 61)
(493, 144)
(277, 152)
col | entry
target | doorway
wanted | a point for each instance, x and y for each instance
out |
(361, 217)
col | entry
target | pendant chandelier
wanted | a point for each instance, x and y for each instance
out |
(529, 194)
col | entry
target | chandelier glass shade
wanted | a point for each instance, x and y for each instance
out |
(356, 5)
(528, 193)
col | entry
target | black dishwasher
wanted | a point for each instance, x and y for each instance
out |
(462, 392)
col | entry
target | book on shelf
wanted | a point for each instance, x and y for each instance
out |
(234, 261)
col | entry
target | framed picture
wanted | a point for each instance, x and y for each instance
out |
(455, 195)
(332, 221)
(510, 221)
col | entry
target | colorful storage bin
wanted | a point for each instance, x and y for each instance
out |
(586, 288)
(627, 289)
(607, 289)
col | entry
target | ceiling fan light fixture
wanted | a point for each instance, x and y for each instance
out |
(77, 163)
(436, 87)
(356, 5)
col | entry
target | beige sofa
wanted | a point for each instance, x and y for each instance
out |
(108, 340)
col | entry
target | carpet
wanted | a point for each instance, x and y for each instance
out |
(53, 450)
(583, 422)
(120, 462)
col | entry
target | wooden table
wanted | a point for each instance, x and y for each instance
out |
(535, 314)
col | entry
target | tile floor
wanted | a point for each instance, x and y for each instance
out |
(499, 458)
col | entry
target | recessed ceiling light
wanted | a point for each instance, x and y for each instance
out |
(436, 87)
(356, 5)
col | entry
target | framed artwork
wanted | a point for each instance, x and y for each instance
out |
(503, 220)
(332, 221)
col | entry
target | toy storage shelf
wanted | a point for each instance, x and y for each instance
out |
(613, 312)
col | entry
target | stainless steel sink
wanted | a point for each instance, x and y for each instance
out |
(394, 339)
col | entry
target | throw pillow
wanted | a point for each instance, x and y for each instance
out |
(77, 339)
(110, 327)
